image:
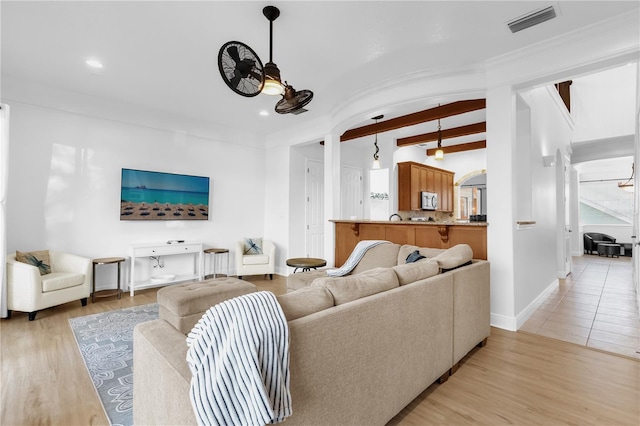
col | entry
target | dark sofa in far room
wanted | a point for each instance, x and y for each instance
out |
(591, 240)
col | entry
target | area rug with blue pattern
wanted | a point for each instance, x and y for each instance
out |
(105, 341)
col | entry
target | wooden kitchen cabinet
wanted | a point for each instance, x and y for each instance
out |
(414, 178)
(409, 186)
(445, 199)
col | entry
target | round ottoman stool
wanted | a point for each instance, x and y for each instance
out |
(182, 305)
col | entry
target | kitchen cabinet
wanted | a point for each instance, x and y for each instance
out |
(414, 178)
(409, 186)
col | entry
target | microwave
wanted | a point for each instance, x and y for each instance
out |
(429, 200)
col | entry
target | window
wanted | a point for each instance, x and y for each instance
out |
(601, 201)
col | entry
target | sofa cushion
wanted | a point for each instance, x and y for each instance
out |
(380, 256)
(304, 279)
(252, 246)
(406, 249)
(59, 280)
(39, 259)
(352, 287)
(305, 301)
(255, 259)
(416, 271)
(454, 257)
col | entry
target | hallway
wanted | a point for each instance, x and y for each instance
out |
(595, 307)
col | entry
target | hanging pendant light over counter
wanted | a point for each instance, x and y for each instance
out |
(376, 159)
(439, 152)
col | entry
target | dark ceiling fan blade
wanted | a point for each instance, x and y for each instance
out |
(233, 53)
(255, 75)
(236, 79)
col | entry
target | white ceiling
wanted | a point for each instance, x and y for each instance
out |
(163, 55)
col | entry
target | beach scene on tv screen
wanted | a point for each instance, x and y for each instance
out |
(147, 195)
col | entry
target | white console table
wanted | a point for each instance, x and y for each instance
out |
(148, 250)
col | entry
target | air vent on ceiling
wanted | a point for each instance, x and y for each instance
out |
(532, 19)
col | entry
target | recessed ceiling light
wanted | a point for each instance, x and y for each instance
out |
(94, 63)
(264, 113)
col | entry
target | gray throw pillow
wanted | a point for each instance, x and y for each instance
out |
(415, 256)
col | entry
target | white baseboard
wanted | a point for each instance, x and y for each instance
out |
(526, 313)
(504, 322)
(514, 323)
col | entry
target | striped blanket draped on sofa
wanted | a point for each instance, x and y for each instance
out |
(239, 358)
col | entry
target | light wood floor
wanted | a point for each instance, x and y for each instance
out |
(518, 378)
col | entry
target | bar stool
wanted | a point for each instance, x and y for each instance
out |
(215, 252)
(105, 261)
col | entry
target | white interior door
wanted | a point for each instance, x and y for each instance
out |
(563, 215)
(351, 190)
(315, 209)
(567, 213)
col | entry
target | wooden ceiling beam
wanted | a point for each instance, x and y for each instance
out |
(442, 111)
(454, 132)
(458, 148)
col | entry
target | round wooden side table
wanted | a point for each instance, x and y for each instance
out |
(215, 252)
(106, 261)
(306, 263)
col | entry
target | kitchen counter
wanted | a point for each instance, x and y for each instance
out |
(434, 234)
(411, 222)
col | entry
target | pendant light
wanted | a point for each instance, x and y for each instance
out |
(439, 152)
(628, 185)
(376, 160)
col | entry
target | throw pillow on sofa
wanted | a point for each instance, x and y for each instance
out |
(407, 249)
(414, 257)
(412, 272)
(454, 257)
(252, 246)
(39, 259)
(352, 287)
(306, 301)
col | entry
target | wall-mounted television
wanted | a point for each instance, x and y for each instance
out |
(147, 195)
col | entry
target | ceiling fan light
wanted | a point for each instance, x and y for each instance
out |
(272, 83)
(272, 87)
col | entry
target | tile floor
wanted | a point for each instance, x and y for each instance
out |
(595, 306)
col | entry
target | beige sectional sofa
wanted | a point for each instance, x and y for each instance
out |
(362, 346)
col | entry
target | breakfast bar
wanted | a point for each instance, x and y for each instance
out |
(423, 234)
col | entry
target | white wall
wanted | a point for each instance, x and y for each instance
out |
(537, 248)
(601, 106)
(64, 184)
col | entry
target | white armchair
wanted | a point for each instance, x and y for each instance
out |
(256, 264)
(28, 291)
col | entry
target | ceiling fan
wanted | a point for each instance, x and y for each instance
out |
(242, 70)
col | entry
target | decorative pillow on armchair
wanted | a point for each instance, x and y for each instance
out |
(39, 259)
(252, 246)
